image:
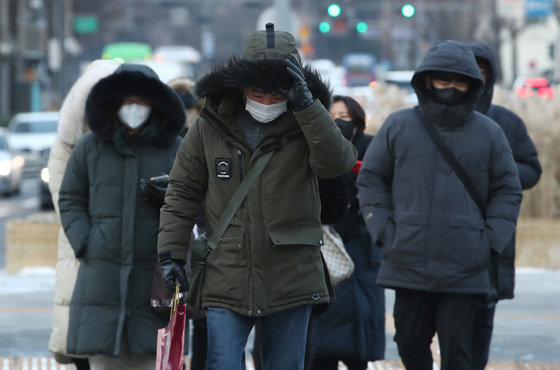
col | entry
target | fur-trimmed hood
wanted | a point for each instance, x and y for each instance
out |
(262, 65)
(106, 97)
(232, 77)
(72, 124)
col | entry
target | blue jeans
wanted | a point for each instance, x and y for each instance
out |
(284, 336)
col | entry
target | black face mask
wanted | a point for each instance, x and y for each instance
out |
(347, 128)
(449, 96)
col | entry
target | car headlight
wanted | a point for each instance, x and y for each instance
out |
(45, 175)
(18, 161)
(5, 167)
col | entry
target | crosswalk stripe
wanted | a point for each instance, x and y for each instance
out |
(49, 363)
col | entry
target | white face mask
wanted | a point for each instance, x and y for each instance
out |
(264, 113)
(134, 115)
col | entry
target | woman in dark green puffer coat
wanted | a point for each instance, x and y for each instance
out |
(112, 222)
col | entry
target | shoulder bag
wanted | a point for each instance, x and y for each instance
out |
(338, 261)
(453, 162)
(492, 295)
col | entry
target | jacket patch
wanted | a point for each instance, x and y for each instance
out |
(223, 168)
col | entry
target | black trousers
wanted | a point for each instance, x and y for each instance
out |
(419, 315)
(482, 336)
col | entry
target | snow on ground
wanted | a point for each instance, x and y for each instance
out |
(40, 279)
(27, 280)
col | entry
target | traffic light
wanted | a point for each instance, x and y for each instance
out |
(324, 27)
(361, 27)
(334, 10)
(407, 10)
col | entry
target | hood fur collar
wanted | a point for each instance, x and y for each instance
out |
(72, 124)
(236, 74)
(107, 95)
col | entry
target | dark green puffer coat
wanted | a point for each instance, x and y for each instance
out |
(112, 230)
(269, 258)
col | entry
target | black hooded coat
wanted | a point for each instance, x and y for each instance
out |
(433, 236)
(111, 229)
(524, 154)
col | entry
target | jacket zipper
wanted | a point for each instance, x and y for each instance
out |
(240, 161)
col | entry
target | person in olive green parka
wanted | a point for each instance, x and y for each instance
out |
(268, 263)
(111, 224)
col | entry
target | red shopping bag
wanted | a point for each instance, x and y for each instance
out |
(171, 339)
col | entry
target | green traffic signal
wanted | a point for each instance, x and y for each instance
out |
(324, 27)
(408, 10)
(334, 10)
(361, 27)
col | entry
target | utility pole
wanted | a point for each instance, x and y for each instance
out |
(420, 32)
(5, 58)
(207, 37)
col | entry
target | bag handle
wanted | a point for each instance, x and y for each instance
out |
(238, 198)
(175, 301)
(452, 161)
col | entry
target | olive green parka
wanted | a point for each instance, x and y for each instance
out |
(269, 258)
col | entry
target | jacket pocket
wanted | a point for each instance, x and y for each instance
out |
(466, 248)
(226, 267)
(295, 267)
(406, 233)
(297, 236)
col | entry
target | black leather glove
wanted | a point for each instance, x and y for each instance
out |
(298, 94)
(152, 192)
(172, 270)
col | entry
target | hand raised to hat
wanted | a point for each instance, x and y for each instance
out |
(298, 94)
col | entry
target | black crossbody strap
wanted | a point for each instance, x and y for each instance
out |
(452, 161)
(237, 198)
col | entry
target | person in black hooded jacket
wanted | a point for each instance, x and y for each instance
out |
(435, 241)
(529, 168)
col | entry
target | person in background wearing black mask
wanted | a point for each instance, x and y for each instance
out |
(352, 328)
(436, 240)
(529, 168)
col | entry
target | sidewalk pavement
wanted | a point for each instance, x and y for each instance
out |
(526, 334)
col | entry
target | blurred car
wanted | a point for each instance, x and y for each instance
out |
(44, 192)
(166, 70)
(401, 79)
(360, 69)
(127, 51)
(31, 135)
(11, 168)
(186, 56)
(329, 72)
(525, 87)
